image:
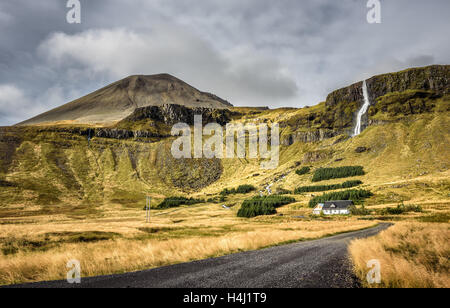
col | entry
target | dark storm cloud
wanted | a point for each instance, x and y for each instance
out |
(252, 52)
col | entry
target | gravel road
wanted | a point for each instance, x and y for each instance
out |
(322, 263)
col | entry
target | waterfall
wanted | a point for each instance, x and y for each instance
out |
(363, 110)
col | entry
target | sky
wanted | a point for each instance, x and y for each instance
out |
(283, 53)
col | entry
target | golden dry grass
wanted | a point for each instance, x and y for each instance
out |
(411, 254)
(174, 236)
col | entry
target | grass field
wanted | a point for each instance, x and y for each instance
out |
(37, 248)
(411, 255)
(117, 240)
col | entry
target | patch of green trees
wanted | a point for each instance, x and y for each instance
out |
(303, 170)
(265, 205)
(401, 208)
(348, 184)
(242, 189)
(353, 194)
(177, 201)
(323, 174)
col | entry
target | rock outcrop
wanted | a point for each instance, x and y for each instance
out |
(124, 134)
(309, 136)
(172, 114)
(435, 78)
(312, 157)
(9, 141)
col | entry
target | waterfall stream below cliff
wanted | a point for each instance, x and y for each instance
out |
(363, 110)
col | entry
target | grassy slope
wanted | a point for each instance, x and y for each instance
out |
(55, 169)
(413, 149)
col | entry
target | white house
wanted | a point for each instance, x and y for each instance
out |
(341, 207)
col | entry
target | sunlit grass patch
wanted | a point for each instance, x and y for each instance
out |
(411, 254)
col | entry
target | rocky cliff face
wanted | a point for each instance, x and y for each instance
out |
(172, 114)
(108, 133)
(309, 136)
(9, 141)
(124, 134)
(434, 78)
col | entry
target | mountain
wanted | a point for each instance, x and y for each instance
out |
(118, 100)
(403, 146)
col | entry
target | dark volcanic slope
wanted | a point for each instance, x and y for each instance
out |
(321, 263)
(121, 98)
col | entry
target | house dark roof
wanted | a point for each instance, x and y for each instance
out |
(341, 204)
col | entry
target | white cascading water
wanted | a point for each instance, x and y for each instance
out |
(363, 110)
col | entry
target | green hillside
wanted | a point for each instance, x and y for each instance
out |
(404, 152)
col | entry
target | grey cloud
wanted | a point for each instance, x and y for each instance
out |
(420, 60)
(245, 77)
(259, 52)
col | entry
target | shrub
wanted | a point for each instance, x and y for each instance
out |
(213, 200)
(414, 208)
(401, 208)
(177, 201)
(350, 184)
(323, 174)
(282, 191)
(242, 189)
(217, 199)
(359, 211)
(353, 194)
(227, 191)
(317, 188)
(438, 217)
(262, 205)
(303, 171)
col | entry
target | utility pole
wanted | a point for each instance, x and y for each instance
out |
(148, 201)
(89, 138)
